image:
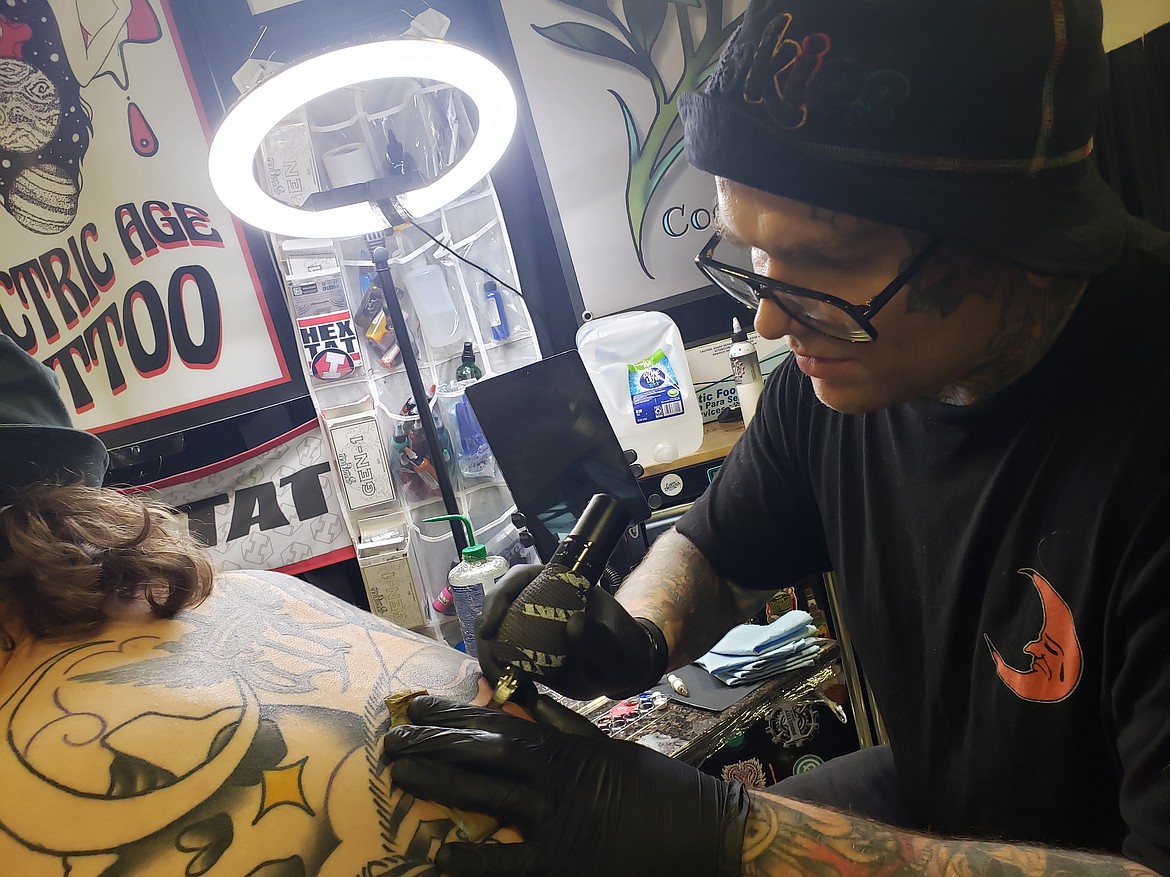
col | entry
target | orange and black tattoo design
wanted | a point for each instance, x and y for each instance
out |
(786, 838)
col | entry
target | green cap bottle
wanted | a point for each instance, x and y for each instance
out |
(468, 370)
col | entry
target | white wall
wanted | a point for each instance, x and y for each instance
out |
(1126, 20)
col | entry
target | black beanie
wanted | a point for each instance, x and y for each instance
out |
(970, 119)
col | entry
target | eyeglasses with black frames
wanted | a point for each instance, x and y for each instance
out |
(819, 311)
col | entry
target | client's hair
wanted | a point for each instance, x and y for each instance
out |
(70, 554)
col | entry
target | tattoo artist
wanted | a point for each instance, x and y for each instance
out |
(969, 432)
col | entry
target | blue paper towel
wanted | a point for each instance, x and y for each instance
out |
(755, 639)
(750, 652)
(713, 662)
(766, 667)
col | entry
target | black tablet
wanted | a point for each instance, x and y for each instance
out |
(554, 445)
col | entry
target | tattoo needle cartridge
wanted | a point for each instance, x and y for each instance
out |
(505, 687)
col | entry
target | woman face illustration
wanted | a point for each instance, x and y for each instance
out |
(44, 124)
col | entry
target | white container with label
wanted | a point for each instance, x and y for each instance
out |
(470, 580)
(639, 368)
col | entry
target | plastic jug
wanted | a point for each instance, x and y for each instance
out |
(426, 284)
(639, 368)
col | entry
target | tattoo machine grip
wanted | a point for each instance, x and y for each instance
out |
(532, 637)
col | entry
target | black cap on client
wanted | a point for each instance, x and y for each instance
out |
(38, 443)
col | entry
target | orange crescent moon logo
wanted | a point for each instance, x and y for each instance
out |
(1056, 661)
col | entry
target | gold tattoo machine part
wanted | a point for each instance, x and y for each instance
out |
(475, 826)
(505, 687)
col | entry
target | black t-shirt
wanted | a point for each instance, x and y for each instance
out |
(1004, 569)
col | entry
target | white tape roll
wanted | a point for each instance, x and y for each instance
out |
(349, 164)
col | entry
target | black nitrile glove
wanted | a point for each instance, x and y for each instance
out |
(586, 806)
(609, 651)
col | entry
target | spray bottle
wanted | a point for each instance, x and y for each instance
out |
(470, 579)
(468, 369)
(745, 367)
(531, 639)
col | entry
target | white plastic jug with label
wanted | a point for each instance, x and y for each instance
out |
(639, 368)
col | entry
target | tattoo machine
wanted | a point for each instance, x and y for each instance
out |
(531, 642)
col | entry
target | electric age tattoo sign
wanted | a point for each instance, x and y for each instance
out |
(119, 269)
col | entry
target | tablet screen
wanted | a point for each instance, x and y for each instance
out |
(554, 445)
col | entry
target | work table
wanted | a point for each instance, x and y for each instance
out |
(692, 734)
(717, 441)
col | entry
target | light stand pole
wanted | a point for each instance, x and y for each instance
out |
(393, 308)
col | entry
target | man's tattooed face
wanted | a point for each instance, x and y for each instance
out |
(964, 327)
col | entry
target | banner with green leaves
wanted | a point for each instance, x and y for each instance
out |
(599, 70)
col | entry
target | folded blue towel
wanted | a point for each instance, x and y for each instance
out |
(756, 639)
(805, 657)
(751, 652)
(715, 663)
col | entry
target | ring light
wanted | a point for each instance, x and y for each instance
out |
(233, 150)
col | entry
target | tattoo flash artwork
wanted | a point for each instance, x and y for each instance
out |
(50, 52)
(259, 754)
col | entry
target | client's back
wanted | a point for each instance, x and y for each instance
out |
(240, 737)
(157, 721)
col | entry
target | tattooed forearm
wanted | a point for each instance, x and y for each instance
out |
(676, 588)
(786, 837)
